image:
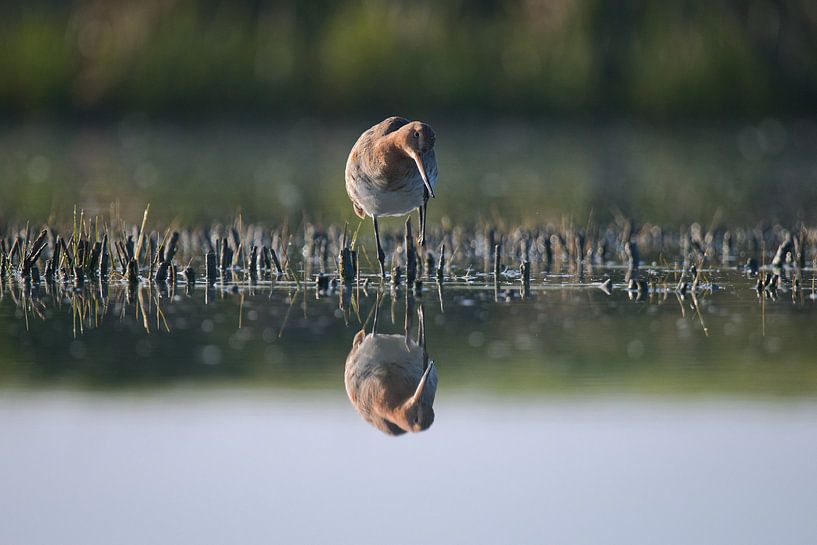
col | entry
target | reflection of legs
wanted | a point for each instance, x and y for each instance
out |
(421, 334)
(381, 256)
(409, 317)
(421, 326)
(376, 310)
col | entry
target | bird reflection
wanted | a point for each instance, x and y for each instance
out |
(390, 379)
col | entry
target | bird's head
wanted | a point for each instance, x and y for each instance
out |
(418, 136)
(418, 418)
(416, 414)
(417, 139)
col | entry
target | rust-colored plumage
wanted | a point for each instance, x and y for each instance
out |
(391, 171)
(391, 381)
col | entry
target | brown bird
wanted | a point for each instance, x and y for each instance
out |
(391, 171)
(391, 382)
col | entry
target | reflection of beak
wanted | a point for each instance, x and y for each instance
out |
(421, 387)
(418, 158)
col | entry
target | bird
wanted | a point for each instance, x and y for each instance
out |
(391, 171)
(391, 381)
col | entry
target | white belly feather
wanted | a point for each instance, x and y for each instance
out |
(377, 202)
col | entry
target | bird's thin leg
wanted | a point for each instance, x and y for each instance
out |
(422, 210)
(381, 255)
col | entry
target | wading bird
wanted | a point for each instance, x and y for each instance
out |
(390, 380)
(391, 171)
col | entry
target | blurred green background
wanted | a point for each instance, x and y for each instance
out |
(545, 110)
(339, 57)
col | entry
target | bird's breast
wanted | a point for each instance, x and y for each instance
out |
(392, 189)
(377, 200)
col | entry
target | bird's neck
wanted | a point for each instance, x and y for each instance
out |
(390, 152)
(398, 416)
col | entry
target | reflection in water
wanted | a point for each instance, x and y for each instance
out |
(390, 380)
(726, 337)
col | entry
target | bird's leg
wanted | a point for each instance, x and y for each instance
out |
(381, 255)
(422, 210)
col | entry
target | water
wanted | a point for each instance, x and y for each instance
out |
(210, 467)
(220, 414)
(566, 336)
(571, 414)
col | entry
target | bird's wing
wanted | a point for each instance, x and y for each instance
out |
(354, 170)
(388, 125)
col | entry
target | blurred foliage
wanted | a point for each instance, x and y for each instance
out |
(502, 172)
(502, 56)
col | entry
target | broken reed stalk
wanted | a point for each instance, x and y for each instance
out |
(633, 262)
(104, 258)
(780, 257)
(548, 254)
(135, 254)
(164, 256)
(160, 276)
(497, 262)
(441, 265)
(15, 249)
(211, 271)
(430, 265)
(226, 257)
(34, 252)
(274, 257)
(347, 261)
(133, 271)
(254, 262)
(170, 250)
(174, 274)
(190, 275)
(524, 272)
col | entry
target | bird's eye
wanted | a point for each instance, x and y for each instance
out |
(416, 135)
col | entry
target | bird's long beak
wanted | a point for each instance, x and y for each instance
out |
(359, 338)
(421, 387)
(418, 158)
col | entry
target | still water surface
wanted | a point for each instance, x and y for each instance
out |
(571, 415)
(261, 467)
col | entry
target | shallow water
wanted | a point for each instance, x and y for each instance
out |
(565, 336)
(262, 466)
(220, 414)
(570, 414)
